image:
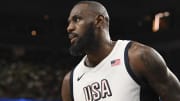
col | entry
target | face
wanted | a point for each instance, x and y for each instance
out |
(81, 29)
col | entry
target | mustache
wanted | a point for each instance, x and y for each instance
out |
(72, 35)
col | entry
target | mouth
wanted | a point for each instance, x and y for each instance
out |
(73, 37)
(72, 40)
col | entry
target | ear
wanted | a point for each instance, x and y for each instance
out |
(99, 21)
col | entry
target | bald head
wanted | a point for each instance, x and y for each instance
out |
(96, 7)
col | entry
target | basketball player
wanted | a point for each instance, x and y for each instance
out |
(121, 70)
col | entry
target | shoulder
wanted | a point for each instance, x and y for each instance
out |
(144, 59)
(139, 49)
(65, 90)
(67, 76)
(150, 66)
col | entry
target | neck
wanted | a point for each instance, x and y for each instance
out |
(96, 56)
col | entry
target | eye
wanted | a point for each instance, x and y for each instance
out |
(76, 19)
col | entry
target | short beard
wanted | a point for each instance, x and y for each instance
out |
(84, 43)
(77, 48)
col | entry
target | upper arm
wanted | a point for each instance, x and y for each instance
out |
(65, 91)
(149, 64)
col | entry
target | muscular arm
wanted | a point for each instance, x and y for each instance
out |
(148, 63)
(65, 92)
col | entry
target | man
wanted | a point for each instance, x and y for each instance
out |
(113, 70)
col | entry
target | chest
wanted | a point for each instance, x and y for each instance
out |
(105, 83)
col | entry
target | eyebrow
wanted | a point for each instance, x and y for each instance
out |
(74, 16)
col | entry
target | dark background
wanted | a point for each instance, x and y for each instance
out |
(48, 50)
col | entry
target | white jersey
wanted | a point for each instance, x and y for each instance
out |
(111, 80)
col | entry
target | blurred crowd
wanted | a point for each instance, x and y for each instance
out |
(25, 79)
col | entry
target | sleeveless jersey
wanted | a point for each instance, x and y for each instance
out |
(111, 80)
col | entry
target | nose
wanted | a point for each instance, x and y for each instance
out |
(70, 28)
